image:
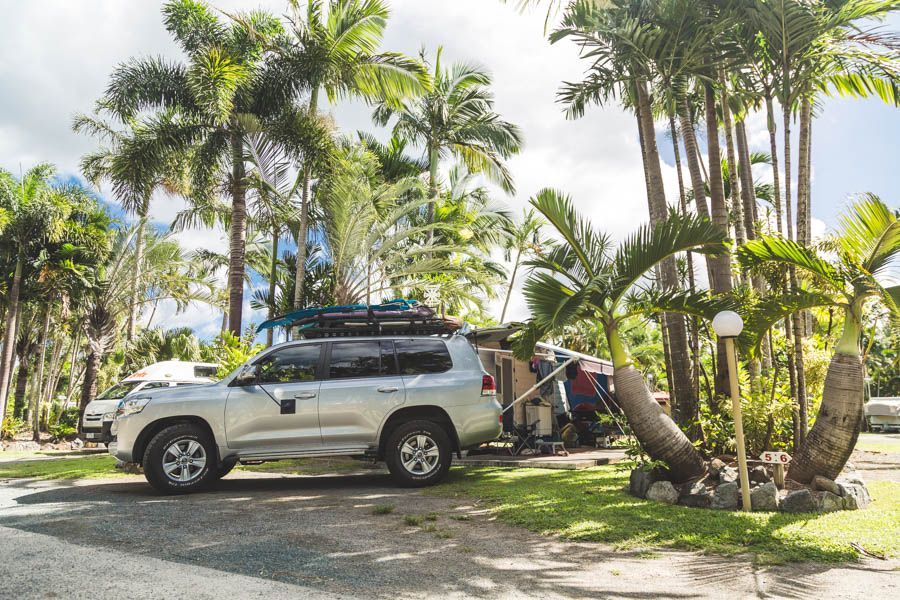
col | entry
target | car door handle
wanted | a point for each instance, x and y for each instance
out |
(388, 389)
(304, 395)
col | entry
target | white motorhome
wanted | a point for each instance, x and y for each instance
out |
(99, 414)
(883, 414)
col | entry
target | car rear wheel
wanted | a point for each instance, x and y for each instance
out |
(418, 453)
(180, 459)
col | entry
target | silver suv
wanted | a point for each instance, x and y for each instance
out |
(410, 401)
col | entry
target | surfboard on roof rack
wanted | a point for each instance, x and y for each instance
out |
(399, 316)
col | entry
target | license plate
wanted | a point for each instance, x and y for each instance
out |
(92, 436)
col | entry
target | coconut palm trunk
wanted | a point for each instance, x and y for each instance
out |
(509, 288)
(238, 237)
(685, 396)
(720, 266)
(21, 386)
(832, 438)
(138, 263)
(89, 385)
(303, 225)
(36, 392)
(9, 337)
(273, 274)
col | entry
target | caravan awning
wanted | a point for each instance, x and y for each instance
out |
(589, 363)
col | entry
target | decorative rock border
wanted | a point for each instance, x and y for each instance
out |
(720, 489)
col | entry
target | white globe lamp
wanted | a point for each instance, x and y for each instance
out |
(728, 324)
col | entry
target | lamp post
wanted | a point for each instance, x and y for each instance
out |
(728, 325)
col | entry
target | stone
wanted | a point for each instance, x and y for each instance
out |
(696, 495)
(728, 475)
(726, 496)
(662, 491)
(765, 497)
(759, 474)
(799, 501)
(77, 444)
(850, 478)
(829, 502)
(715, 467)
(25, 446)
(826, 485)
(854, 496)
(640, 481)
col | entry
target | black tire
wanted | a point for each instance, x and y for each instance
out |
(156, 449)
(225, 467)
(409, 432)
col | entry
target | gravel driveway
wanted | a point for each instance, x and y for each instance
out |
(279, 536)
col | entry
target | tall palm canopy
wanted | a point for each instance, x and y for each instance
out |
(584, 277)
(456, 117)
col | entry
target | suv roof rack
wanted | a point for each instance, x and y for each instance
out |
(397, 317)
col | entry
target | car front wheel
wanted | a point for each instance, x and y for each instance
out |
(418, 453)
(180, 459)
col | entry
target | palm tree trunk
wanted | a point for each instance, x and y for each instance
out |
(683, 394)
(273, 274)
(734, 179)
(21, 383)
(303, 226)
(659, 436)
(237, 245)
(509, 289)
(89, 385)
(694, 337)
(720, 266)
(832, 438)
(433, 164)
(9, 337)
(748, 193)
(692, 154)
(773, 151)
(138, 266)
(36, 403)
(804, 235)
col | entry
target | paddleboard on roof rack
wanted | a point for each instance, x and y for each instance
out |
(399, 316)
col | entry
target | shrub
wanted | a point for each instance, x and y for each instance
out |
(10, 427)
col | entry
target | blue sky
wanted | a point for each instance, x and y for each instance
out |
(56, 63)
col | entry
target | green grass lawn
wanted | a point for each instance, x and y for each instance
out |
(83, 467)
(591, 505)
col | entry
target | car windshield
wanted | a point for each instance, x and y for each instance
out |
(119, 391)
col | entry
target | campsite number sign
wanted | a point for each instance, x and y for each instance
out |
(778, 458)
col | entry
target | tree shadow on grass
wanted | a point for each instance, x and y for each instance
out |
(591, 505)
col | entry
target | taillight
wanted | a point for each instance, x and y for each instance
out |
(488, 388)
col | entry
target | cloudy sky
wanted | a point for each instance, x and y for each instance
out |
(55, 61)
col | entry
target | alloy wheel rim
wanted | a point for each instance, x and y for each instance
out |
(184, 460)
(419, 454)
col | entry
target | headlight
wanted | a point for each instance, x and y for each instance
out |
(110, 416)
(131, 406)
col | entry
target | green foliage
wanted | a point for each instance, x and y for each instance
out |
(230, 351)
(592, 505)
(11, 427)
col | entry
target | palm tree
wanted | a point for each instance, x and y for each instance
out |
(618, 39)
(456, 117)
(35, 214)
(368, 238)
(335, 51)
(524, 238)
(169, 275)
(866, 247)
(584, 278)
(204, 109)
(114, 163)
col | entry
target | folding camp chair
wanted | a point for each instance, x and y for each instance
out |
(527, 440)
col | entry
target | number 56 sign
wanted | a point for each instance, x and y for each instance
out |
(778, 458)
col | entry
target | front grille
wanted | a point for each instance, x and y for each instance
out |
(93, 417)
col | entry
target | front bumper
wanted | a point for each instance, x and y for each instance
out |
(97, 434)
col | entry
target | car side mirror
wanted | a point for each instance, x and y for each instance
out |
(248, 376)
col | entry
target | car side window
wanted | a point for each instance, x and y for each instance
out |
(293, 364)
(418, 357)
(155, 384)
(361, 359)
